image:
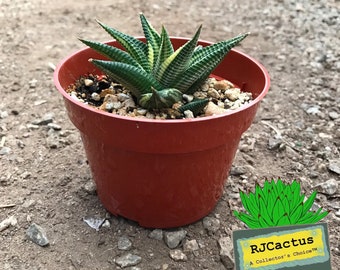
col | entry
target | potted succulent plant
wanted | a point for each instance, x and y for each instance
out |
(161, 173)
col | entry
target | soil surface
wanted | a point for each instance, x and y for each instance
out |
(44, 176)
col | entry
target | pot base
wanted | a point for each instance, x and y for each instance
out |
(159, 190)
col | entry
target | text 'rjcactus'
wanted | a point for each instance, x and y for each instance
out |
(155, 73)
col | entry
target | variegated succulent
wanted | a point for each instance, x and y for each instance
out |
(155, 73)
(278, 204)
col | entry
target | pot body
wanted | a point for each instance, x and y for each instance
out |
(162, 173)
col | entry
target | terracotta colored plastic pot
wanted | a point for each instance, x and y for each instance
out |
(162, 173)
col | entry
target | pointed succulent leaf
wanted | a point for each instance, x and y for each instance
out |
(296, 190)
(150, 33)
(271, 201)
(226, 44)
(206, 60)
(160, 99)
(301, 198)
(259, 192)
(176, 63)
(136, 48)
(307, 218)
(308, 203)
(266, 187)
(294, 207)
(313, 217)
(111, 52)
(283, 220)
(320, 216)
(136, 80)
(153, 40)
(248, 220)
(254, 201)
(296, 214)
(279, 185)
(166, 49)
(295, 186)
(196, 106)
(285, 203)
(263, 222)
(189, 88)
(278, 210)
(274, 189)
(247, 203)
(264, 212)
(151, 55)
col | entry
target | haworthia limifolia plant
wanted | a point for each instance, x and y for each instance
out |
(155, 73)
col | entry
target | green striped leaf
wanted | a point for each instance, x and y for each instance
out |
(192, 78)
(136, 80)
(192, 88)
(150, 33)
(196, 106)
(176, 63)
(111, 52)
(204, 61)
(153, 40)
(136, 48)
(227, 44)
(151, 56)
(166, 49)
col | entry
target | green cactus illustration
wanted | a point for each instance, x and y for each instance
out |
(278, 204)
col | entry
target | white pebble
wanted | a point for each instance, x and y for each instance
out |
(188, 114)
(232, 94)
(109, 106)
(213, 93)
(122, 97)
(95, 96)
(74, 96)
(141, 111)
(88, 82)
(188, 98)
(117, 105)
(212, 109)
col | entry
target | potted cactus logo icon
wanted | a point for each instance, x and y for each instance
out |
(278, 204)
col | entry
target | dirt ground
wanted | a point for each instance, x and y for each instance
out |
(44, 177)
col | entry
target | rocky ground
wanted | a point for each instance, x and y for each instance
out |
(44, 177)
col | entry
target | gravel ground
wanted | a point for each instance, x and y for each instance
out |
(44, 177)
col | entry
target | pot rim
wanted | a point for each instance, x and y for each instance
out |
(165, 121)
